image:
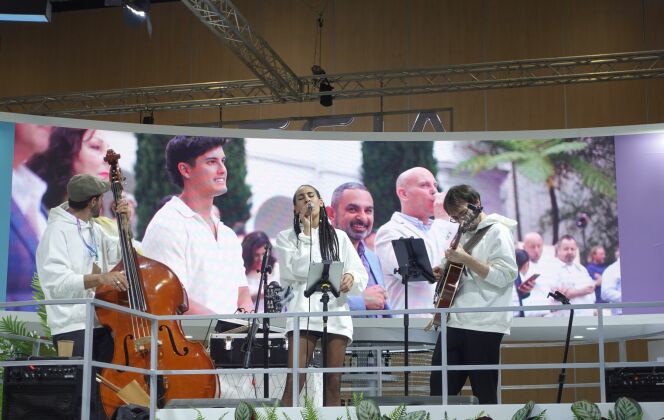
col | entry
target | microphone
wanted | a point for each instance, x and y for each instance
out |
(310, 208)
(474, 207)
(559, 297)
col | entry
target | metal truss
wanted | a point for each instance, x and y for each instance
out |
(454, 78)
(226, 21)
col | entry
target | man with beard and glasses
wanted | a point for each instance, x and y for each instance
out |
(417, 190)
(75, 256)
(352, 211)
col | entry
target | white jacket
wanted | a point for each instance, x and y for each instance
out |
(496, 249)
(63, 259)
(294, 258)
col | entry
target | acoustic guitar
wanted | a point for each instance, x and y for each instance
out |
(448, 284)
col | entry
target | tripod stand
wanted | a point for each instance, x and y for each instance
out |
(249, 341)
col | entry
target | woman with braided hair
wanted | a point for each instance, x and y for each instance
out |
(313, 239)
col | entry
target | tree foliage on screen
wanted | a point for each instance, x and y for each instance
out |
(383, 161)
(235, 205)
(588, 162)
(153, 183)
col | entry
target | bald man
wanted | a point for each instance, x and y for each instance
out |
(417, 190)
(544, 267)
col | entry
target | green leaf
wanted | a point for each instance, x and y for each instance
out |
(594, 178)
(564, 147)
(418, 415)
(626, 408)
(537, 168)
(309, 412)
(398, 412)
(367, 410)
(199, 415)
(524, 412)
(244, 411)
(38, 294)
(585, 410)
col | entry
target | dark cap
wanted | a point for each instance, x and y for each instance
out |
(82, 187)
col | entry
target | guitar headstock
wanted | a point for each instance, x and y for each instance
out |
(470, 216)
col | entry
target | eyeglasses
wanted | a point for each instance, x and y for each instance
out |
(459, 217)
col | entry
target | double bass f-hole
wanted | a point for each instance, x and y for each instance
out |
(173, 345)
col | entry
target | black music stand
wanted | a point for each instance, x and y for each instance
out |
(328, 281)
(414, 265)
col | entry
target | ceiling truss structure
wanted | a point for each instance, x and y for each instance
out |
(228, 24)
(453, 78)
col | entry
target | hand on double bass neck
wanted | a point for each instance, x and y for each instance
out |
(121, 207)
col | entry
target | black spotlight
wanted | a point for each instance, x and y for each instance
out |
(147, 118)
(325, 86)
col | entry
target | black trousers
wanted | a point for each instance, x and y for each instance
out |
(469, 347)
(102, 351)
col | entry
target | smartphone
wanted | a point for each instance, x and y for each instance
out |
(532, 278)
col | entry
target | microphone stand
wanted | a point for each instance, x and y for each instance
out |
(249, 341)
(324, 286)
(561, 378)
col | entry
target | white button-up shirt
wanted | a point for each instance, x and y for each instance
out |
(211, 270)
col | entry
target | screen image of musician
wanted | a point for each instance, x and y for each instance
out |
(186, 236)
(72, 245)
(488, 279)
(352, 210)
(313, 239)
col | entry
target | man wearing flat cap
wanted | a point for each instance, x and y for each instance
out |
(75, 256)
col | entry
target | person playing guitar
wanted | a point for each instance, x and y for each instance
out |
(488, 270)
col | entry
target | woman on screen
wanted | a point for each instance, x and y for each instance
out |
(71, 151)
(253, 248)
(313, 239)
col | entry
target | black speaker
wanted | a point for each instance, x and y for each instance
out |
(640, 383)
(42, 392)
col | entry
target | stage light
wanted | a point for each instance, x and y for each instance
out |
(136, 12)
(147, 117)
(25, 10)
(324, 85)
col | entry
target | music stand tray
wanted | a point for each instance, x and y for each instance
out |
(334, 275)
(409, 252)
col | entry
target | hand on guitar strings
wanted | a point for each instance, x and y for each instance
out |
(458, 255)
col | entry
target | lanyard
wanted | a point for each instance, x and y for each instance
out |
(91, 247)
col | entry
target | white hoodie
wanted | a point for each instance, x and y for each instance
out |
(496, 249)
(63, 259)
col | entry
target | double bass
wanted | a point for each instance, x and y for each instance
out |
(449, 282)
(155, 289)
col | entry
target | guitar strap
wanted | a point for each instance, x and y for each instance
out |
(477, 237)
(474, 240)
